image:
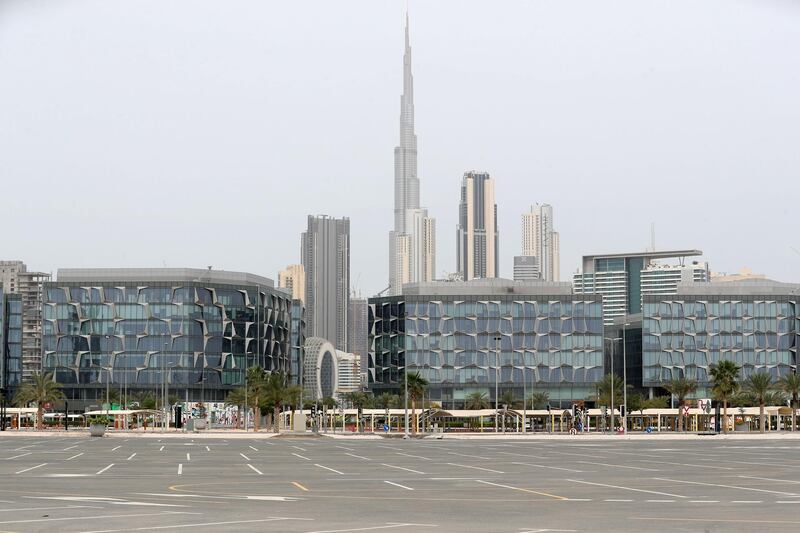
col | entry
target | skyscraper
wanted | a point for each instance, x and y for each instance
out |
(541, 241)
(293, 277)
(325, 250)
(478, 240)
(411, 251)
(357, 332)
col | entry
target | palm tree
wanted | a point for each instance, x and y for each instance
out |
(384, 401)
(723, 376)
(277, 393)
(681, 388)
(507, 398)
(758, 385)
(416, 388)
(540, 399)
(477, 400)
(329, 403)
(604, 390)
(40, 390)
(790, 384)
(236, 397)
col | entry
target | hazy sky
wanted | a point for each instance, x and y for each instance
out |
(194, 133)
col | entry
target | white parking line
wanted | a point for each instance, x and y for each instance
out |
(103, 470)
(726, 486)
(18, 456)
(389, 525)
(71, 447)
(398, 485)
(299, 448)
(618, 466)
(300, 456)
(73, 457)
(256, 470)
(415, 456)
(97, 517)
(770, 479)
(473, 456)
(204, 524)
(358, 456)
(208, 449)
(545, 466)
(161, 449)
(627, 488)
(703, 501)
(117, 448)
(331, 469)
(31, 468)
(346, 448)
(252, 448)
(620, 501)
(245, 457)
(403, 468)
(660, 501)
(188, 457)
(180, 469)
(746, 501)
(131, 457)
(476, 468)
(49, 508)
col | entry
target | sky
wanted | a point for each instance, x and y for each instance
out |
(192, 133)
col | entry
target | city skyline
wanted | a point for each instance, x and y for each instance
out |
(110, 129)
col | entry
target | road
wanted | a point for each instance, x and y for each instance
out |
(324, 485)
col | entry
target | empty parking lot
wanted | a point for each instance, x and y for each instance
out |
(305, 485)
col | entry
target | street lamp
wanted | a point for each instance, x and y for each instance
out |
(624, 378)
(613, 376)
(497, 340)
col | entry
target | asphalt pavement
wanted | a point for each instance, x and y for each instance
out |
(77, 483)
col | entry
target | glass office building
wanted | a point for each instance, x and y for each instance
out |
(466, 337)
(298, 341)
(132, 329)
(10, 343)
(754, 323)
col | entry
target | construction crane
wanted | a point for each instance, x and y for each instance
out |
(383, 291)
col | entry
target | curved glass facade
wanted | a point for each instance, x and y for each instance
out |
(466, 344)
(684, 335)
(199, 337)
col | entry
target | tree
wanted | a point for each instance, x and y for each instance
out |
(256, 382)
(635, 402)
(724, 378)
(416, 388)
(507, 399)
(790, 384)
(604, 386)
(477, 400)
(236, 397)
(681, 388)
(540, 399)
(385, 401)
(276, 393)
(758, 385)
(40, 390)
(659, 402)
(329, 403)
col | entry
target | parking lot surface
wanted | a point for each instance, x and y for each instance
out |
(76, 483)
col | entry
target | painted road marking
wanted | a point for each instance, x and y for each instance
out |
(98, 517)
(684, 464)
(415, 456)
(398, 485)
(49, 508)
(300, 456)
(73, 457)
(71, 447)
(299, 448)
(746, 501)
(131, 457)
(256, 470)
(117, 448)
(358, 456)
(208, 449)
(103, 470)
(389, 525)
(202, 524)
(521, 489)
(188, 457)
(703, 501)
(476, 468)
(618, 466)
(31, 468)
(403, 468)
(252, 448)
(180, 469)
(18, 456)
(299, 486)
(544, 466)
(468, 455)
(770, 479)
(245, 457)
(620, 501)
(732, 521)
(331, 469)
(660, 501)
(726, 486)
(161, 449)
(627, 488)
(346, 448)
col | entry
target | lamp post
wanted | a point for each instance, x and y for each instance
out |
(524, 394)
(496, 380)
(624, 379)
(405, 392)
(613, 377)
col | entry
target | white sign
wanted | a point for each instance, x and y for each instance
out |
(685, 410)
(704, 404)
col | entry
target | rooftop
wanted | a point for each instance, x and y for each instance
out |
(491, 286)
(588, 260)
(748, 287)
(105, 275)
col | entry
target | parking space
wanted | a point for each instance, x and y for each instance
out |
(305, 485)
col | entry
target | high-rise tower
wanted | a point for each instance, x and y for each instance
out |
(541, 241)
(478, 240)
(409, 249)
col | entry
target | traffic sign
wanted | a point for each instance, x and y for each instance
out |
(685, 410)
(386, 427)
(705, 405)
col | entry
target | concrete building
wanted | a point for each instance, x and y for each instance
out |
(15, 279)
(298, 341)
(755, 323)
(325, 251)
(327, 372)
(357, 330)
(488, 336)
(478, 239)
(526, 268)
(618, 277)
(663, 280)
(134, 329)
(744, 274)
(349, 374)
(412, 242)
(293, 278)
(540, 240)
